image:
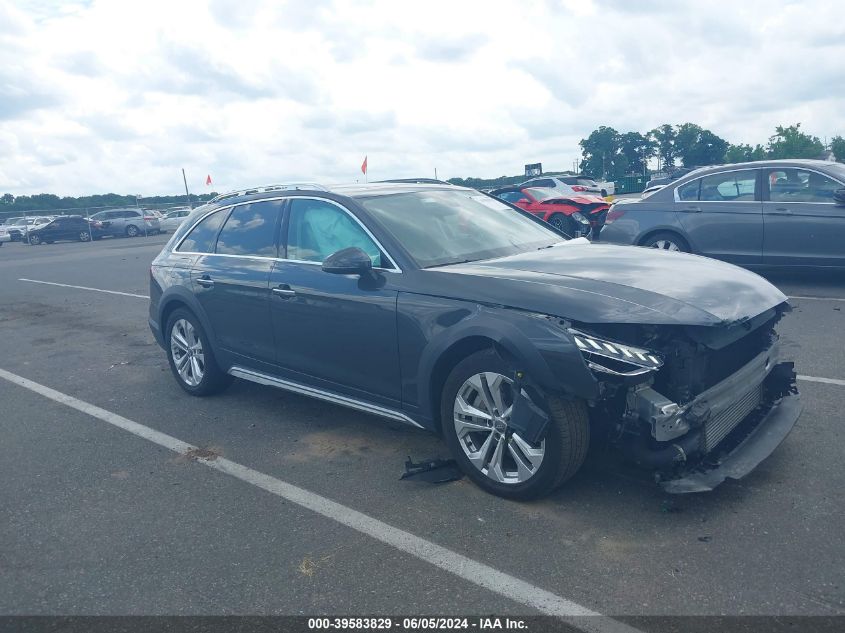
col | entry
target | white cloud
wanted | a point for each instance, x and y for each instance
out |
(114, 96)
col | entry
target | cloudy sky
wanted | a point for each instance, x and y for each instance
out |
(118, 96)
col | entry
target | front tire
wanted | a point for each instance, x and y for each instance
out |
(475, 407)
(35, 240)
(562, 223)
(132, 231)
(190, 356)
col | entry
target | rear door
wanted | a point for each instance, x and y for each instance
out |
(802, 225)
(722, 214)
(231, 279)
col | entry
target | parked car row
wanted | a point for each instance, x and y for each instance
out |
(108, 223)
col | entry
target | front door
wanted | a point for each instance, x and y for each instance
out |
(723, 215)
(802, 225)
(337, 329)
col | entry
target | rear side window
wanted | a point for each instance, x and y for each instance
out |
(689, 191)
(201, 237)
(250, 230)
(734, 186)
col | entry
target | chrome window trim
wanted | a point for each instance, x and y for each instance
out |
(728, 171)
(229, 207)
(321, 394)
(718, 173)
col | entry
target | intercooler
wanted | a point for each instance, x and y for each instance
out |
(720, 425)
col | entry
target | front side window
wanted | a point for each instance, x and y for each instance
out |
(734, 186)
(250, 230)
(449, 227)
(800, 185)
(317, 229)
(201, 238)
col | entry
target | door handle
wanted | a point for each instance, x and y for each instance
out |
(781, 211)
(205, 281)
(691, 209)
(284, 291)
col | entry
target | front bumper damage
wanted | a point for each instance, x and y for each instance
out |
(722, 433)
(766, 436)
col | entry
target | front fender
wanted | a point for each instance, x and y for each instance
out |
(431, 328)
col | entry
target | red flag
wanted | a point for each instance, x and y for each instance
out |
(364, 166)
(208, 180)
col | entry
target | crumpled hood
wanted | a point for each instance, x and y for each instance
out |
(624, 284)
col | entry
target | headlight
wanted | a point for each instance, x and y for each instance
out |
(618, 359)
(579, 218)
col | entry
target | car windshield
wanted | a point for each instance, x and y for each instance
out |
(837, 170)
(540, 193)
(449, 227)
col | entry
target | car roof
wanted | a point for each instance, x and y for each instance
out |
(357, 190)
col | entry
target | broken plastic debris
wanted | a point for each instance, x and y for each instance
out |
(435, 471)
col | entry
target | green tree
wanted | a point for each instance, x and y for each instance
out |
(7, 199)
(744, 153)
(601, 156)
(837, 146)
(697, 146)
(636, 149)
(663, 138)
(791, 142)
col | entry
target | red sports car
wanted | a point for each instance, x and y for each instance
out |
(557, 209)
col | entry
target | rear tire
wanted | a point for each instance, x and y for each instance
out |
(84, 236)
(34, 240)
(557, 458)
(190, 356)
(667, 241)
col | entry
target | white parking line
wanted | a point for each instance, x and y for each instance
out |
(461, 566)
(828, 381)
(819, 298)
(111, 292)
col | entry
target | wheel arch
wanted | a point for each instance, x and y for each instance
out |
(642, 239)
(179, 298)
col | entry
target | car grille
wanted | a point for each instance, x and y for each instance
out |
(718, 427)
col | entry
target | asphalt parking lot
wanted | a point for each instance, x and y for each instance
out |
(98, 520)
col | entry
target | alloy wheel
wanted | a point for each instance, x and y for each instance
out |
(482, 412)
(84, 236)
(666, 245)
(187, 353)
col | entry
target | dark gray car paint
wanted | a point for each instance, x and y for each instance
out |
(761, 234)
(380, 339)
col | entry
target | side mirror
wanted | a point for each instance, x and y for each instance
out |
(839, 197)
(348, 261)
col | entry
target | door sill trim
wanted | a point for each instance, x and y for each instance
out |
(320, 394)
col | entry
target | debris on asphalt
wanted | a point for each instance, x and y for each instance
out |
(705, 539)
(434, 471)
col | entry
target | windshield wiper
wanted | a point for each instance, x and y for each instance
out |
(462, 261)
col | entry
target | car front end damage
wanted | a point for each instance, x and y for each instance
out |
(695, 404)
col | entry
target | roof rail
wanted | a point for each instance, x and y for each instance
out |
(290, 186)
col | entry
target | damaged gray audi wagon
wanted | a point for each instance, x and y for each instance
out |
(454, 312)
